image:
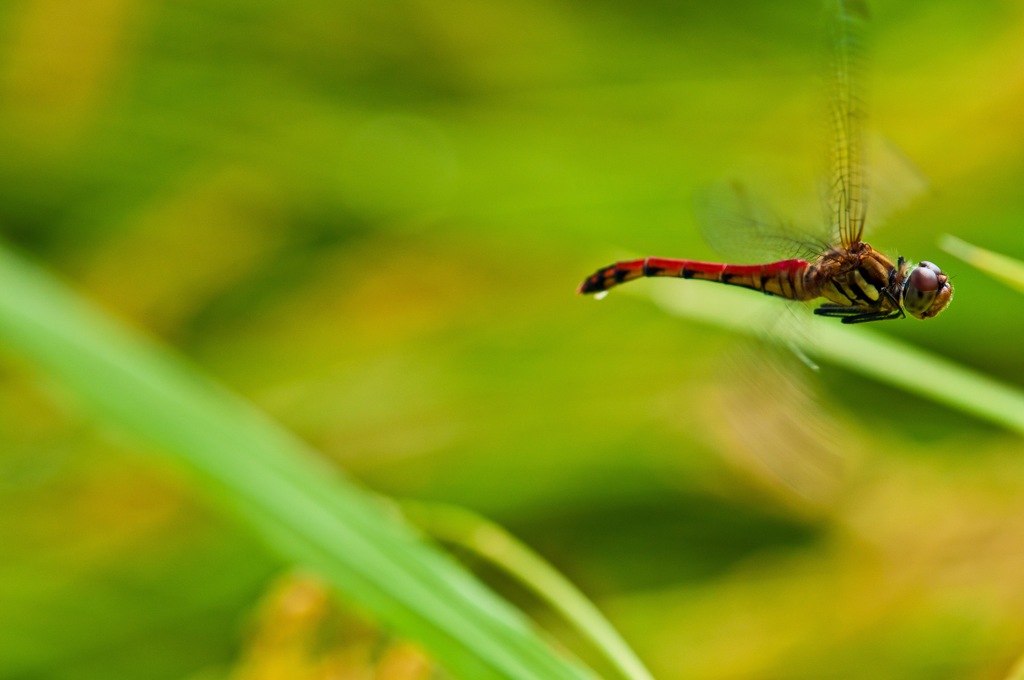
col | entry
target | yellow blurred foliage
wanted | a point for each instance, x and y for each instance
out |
(59, 64)
(300, 634)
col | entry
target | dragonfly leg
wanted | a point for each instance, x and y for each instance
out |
(856, 314)
(873, 316)
(829, 309)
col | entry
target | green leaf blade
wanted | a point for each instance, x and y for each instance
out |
(268, 477)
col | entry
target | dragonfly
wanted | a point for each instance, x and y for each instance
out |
(858, 283)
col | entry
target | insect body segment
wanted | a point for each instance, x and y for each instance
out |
(784, 278)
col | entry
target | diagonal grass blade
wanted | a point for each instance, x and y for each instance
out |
(999, 267)
(306, 510)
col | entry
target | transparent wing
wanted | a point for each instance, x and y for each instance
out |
(896, 181)
(776, 426)
(742, 227)
(846, 197)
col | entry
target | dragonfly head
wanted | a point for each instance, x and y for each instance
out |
(927, 291)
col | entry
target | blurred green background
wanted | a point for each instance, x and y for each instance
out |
(370, 218)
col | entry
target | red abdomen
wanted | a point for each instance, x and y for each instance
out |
(784, 278)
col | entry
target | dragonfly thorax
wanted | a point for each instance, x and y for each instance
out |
(858, 276)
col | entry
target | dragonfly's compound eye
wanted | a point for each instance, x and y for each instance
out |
(927, 291)
(924, 279)
(930, 266)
